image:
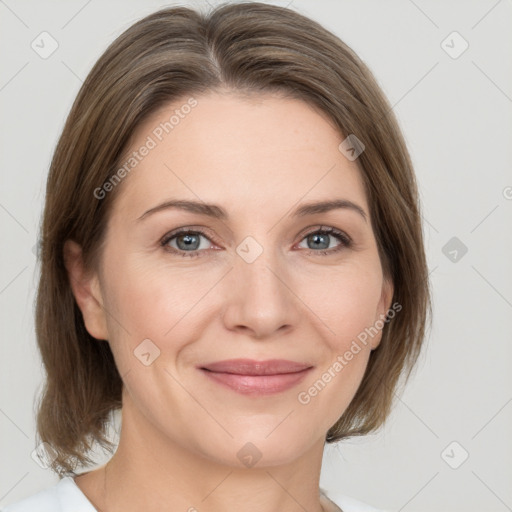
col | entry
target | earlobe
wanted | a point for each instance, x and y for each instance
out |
(86, 290)
(382, 310)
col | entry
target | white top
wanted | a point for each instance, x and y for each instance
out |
(66, 496)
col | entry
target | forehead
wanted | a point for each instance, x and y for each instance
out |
(241, 151)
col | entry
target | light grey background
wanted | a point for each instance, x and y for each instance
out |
(456, 114)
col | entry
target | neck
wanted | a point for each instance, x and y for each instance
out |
(148, 469)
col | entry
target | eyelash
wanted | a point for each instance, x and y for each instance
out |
(345, 240)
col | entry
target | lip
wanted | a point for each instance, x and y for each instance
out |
(248, 376)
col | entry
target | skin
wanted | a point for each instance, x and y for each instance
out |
(258, 157)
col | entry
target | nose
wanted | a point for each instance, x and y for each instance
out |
(260, 300)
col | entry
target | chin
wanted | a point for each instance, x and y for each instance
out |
(256, 448)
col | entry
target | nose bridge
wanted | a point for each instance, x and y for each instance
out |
(259, 296)
(257, 266)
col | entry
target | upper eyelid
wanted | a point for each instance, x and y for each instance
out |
(306, 232)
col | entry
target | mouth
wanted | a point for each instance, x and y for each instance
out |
(250, 377)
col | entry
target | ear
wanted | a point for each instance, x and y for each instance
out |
(87, 292)
(382, 309)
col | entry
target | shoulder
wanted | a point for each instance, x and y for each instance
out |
(64, 496)
(349, 504)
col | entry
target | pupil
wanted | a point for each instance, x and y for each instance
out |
(318, 237)
(188, 241)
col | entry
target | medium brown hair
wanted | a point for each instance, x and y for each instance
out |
(171, 54)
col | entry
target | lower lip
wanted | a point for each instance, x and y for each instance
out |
(258, 384)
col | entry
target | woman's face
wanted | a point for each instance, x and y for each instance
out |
(248, 278)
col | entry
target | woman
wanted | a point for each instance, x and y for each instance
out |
(232, 256)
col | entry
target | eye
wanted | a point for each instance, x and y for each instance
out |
(188, 242)
(319, 240)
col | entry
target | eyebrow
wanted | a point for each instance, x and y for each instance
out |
(217, 212)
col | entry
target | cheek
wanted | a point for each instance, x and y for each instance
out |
(174, 305)
(347, 306)
(346, 300)
(171, 304)
(327, 396)
(164, 302)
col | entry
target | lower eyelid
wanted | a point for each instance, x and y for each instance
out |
(168, 238)
(345, 242)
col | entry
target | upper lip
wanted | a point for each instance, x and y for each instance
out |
(253, 367)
